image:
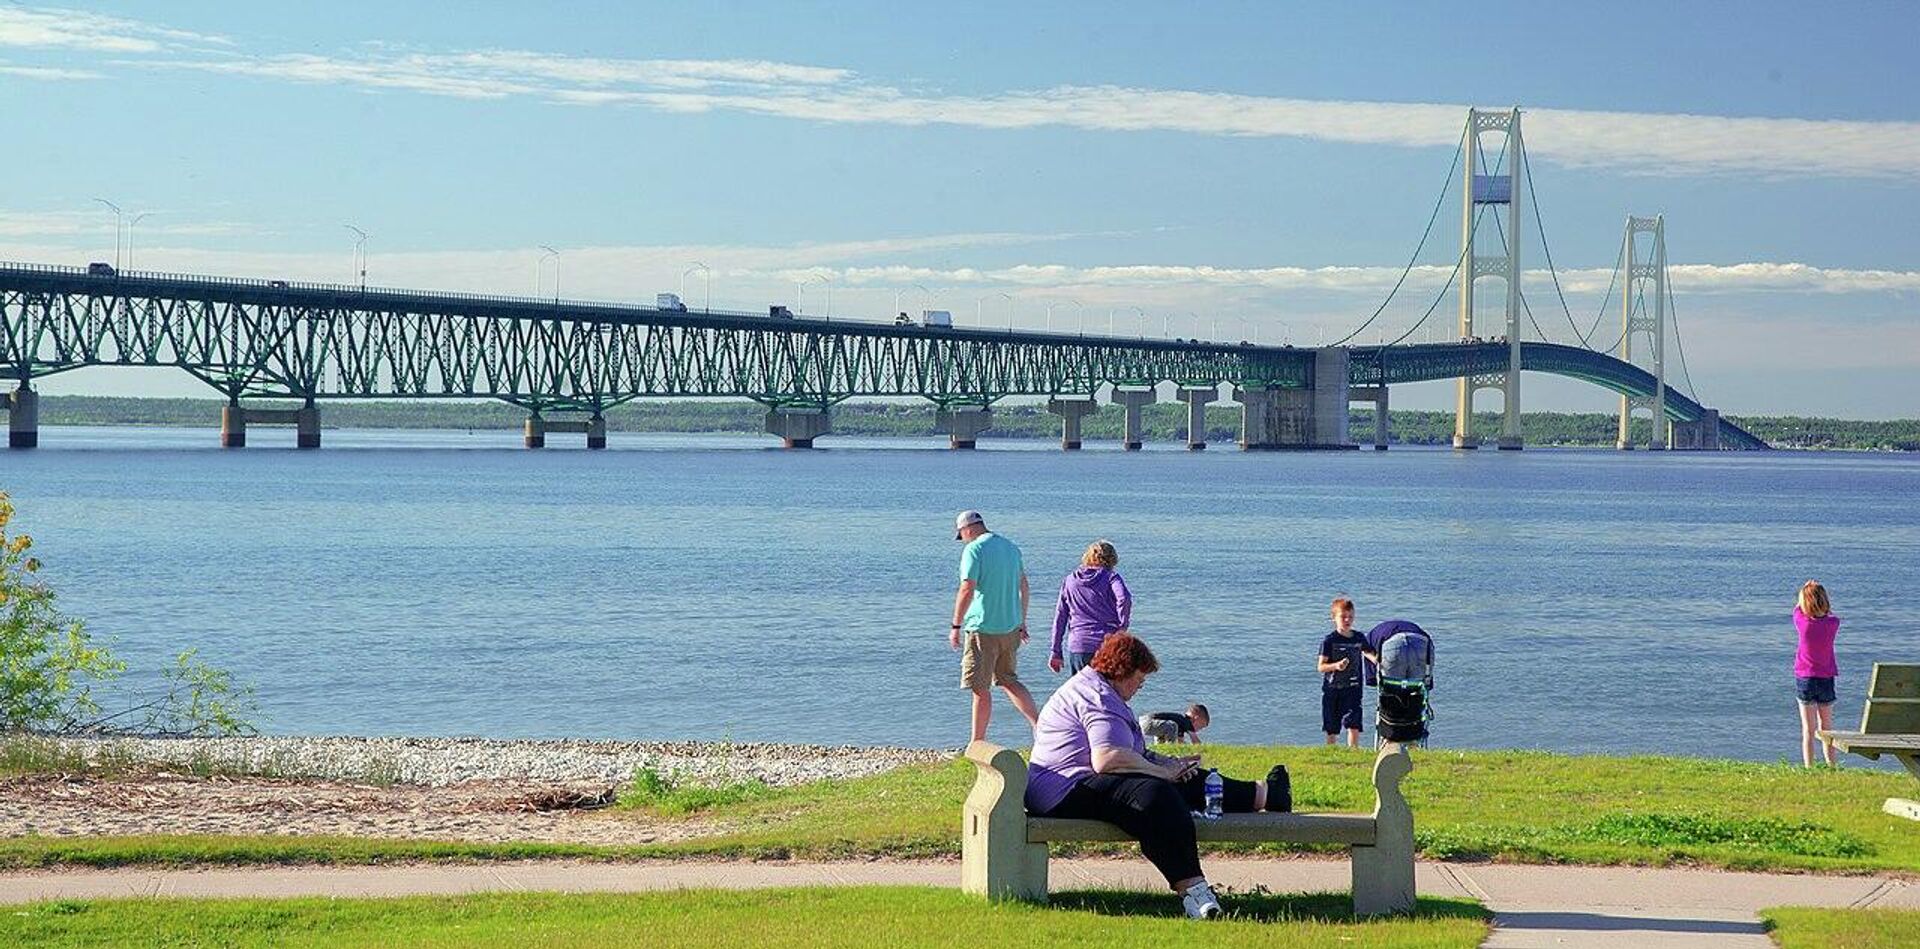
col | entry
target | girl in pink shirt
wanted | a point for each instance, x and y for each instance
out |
(1814, 669)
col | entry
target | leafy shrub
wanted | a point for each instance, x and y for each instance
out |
(50, 668)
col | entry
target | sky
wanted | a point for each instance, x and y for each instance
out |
(1227, 171)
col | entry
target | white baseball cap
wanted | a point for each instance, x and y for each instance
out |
(961, 520)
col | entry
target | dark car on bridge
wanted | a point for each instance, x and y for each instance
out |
(101, 269)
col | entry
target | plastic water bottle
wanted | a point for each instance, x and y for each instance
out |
(1216, 792)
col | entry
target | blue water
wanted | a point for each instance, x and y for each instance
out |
(708, 586)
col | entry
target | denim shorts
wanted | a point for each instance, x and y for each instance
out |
(1814, 690)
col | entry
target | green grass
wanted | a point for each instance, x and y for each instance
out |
(1504, 805)
(1797, 927)
(670, 795)
(829, 916)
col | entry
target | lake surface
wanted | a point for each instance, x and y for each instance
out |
(437, 583)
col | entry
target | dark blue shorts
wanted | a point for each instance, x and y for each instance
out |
(1814, 690)
(1340, 708)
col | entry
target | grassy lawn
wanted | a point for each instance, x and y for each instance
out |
(1797, 927)
(879, 917)
(1520, 806)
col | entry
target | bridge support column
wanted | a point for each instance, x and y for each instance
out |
(1702, 434)
(964, 425)
(1382, 422)
(1331, 401)
(23, 418)
(1132, 400)
(798, 428)
(535, 431)
(1071, 411)
(233, 426)
(1274, 418)
(306, 426)
(1197, 400)
(597, 432)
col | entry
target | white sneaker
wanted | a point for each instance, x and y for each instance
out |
(1199, 901)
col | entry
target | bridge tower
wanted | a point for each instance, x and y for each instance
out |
(1500, 187)
(1636, 318)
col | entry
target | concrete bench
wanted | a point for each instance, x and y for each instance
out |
(1890, 725)
(1004, 851)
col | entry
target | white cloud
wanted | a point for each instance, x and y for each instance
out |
(100, 221)
(1642, 142)
(56, 28)
(1657, 143)
(47, 73)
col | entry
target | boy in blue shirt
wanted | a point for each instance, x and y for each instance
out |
(1340, 688)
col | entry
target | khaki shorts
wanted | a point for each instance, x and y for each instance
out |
(988, 660)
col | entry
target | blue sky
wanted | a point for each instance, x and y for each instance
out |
(1267, 165)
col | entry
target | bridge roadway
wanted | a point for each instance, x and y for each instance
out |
(253, 339)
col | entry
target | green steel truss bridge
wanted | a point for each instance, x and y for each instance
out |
(252, 339)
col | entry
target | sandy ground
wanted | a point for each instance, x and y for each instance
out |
(58, 805)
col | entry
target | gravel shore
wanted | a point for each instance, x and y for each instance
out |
(439, 762)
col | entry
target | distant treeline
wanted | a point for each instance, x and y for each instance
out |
(1164, 421)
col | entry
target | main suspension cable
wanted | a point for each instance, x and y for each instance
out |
(1681, 345)
(1459, 149)
(1540, 224)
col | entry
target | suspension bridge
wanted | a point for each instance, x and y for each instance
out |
(568, 362)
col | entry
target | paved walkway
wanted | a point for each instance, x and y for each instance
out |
(1534, 906)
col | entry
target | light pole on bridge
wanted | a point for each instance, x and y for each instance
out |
(1076, 306)
(360, 253)
(548, 253)
(706, 273)
(980, 309)
(119, 224)
(131, 224)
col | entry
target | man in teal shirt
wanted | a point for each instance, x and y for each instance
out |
(990, 615)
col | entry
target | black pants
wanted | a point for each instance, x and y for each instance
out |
(1155, 811)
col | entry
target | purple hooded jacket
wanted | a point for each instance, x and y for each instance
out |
(1094, 601)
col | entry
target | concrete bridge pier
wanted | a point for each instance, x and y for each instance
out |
(1132, 400)
(1071, 411)
(1700, 435)
(233, 426)
(964, 425)
(1197, 400)
(234, 419)
(539, 427)
(23, 418)
(1299, 418)
(1381, 421)
(798, 427)
(306, 426)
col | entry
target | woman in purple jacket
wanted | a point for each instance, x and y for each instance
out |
(1094, 602)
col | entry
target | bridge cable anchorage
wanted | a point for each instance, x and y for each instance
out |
(1540, 224)
(1458, 149)
(1680, 344)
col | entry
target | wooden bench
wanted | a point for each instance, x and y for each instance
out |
(1004, 851)
(1889, 726)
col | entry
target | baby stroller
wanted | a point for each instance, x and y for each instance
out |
(1403, 680)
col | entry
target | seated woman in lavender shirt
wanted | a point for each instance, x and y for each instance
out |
(1091, 761)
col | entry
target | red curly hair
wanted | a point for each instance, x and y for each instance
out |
(1122, 655)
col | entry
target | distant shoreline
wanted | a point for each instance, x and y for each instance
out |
(1162, 422)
